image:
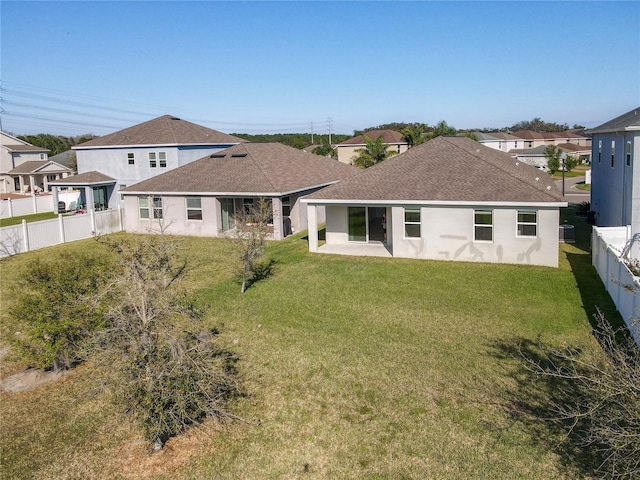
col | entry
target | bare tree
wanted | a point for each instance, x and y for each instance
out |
(600, 389)
(252, 226)
(162, 362)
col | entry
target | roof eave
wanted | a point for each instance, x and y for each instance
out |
(550, 204)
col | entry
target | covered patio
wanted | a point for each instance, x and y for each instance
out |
(98, 191)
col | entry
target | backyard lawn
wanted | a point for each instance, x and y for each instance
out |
(352, 367)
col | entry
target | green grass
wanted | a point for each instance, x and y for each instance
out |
(354, 367)
(36, 217)
(584, 186)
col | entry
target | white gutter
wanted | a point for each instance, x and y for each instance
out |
(222, 194)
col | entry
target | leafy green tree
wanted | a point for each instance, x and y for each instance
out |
(553, 155)
(325, 150)
(58, 308)
(413, 136)
(374, 152)
(165, 366)
(571, 162)
(443, 129)
(538, 125)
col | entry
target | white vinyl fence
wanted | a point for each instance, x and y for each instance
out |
(66, 228)
(36, 204)
(622, 285)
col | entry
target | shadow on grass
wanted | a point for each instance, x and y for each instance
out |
(592, 291)
(536, 401)
(322, 236)
(262, 271)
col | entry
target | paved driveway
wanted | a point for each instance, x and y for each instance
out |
(571, 193)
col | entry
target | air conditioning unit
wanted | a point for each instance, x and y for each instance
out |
(567, 233)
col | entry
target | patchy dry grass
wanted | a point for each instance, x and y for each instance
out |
(354, 367)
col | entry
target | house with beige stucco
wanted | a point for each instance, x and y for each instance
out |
(202, 197)
(447, 199)
(348, 149)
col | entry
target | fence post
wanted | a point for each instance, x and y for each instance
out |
(35, 203)
(120, 218)
(92, 214)
(25, 235)
(61, 225)
(10, 207)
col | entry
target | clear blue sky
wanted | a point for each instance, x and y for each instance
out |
(95, 67)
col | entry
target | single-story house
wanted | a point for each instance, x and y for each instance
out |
(449, 199)
(202, 197)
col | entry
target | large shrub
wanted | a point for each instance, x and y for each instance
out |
(57, 307)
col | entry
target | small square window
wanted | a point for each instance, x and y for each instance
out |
(412, 223)
(527, 223)
(194, 208)
(131, 158)
(483, 226)
(152, 160)
(628, 154)
(162, 158)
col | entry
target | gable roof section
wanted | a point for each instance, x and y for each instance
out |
(495, 136)
(249, 168)
(447, 169)
(38, 167)
(87, 178)
(626, 122)
(165, 130)
(388, 136)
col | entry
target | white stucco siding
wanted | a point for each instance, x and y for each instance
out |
(447, 233)
(174, 221)
(114, 162)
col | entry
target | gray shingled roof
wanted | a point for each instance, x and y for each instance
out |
(165, 130)
(388, 136)
(250, 168)
(24, 148)
(87, 178)
(449, 169)
(626, 121)
(34, 166)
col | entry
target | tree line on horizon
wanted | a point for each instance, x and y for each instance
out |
(57, 143)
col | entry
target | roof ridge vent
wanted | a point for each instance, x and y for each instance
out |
(174, 118)
(217, 155)
(243, 154)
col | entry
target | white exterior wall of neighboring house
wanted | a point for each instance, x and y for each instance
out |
(346, 153)
(114, 162)
(447, 233)
(615, 190)
(174, 213)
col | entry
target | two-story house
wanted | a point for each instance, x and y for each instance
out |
(25, 168)
(615, 188)
(110, 163)
(348, 150)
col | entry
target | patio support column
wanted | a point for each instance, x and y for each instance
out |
(277, 218)
(312, 222)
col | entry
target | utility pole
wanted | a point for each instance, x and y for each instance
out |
(311, 133)
(329, 125)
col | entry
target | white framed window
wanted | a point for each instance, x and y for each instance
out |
(121, 187)
(153, 163)
(599, 151)
(157, 207)
(412, 223)
(162, 159)
(613, 153)
(527, 223)
(131, 158)
(628, 154)
(483, 225)
(194, 208)
(247, 205)
(143, 207)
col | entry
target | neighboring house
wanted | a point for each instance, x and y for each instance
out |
(499, 140)
(140, 152)
(347, 150)
(536, 156)
(447, 199)
(14, 153)
(201, 198)
(36, 176)
(66, 159)
(531, 139)
(615, 187)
